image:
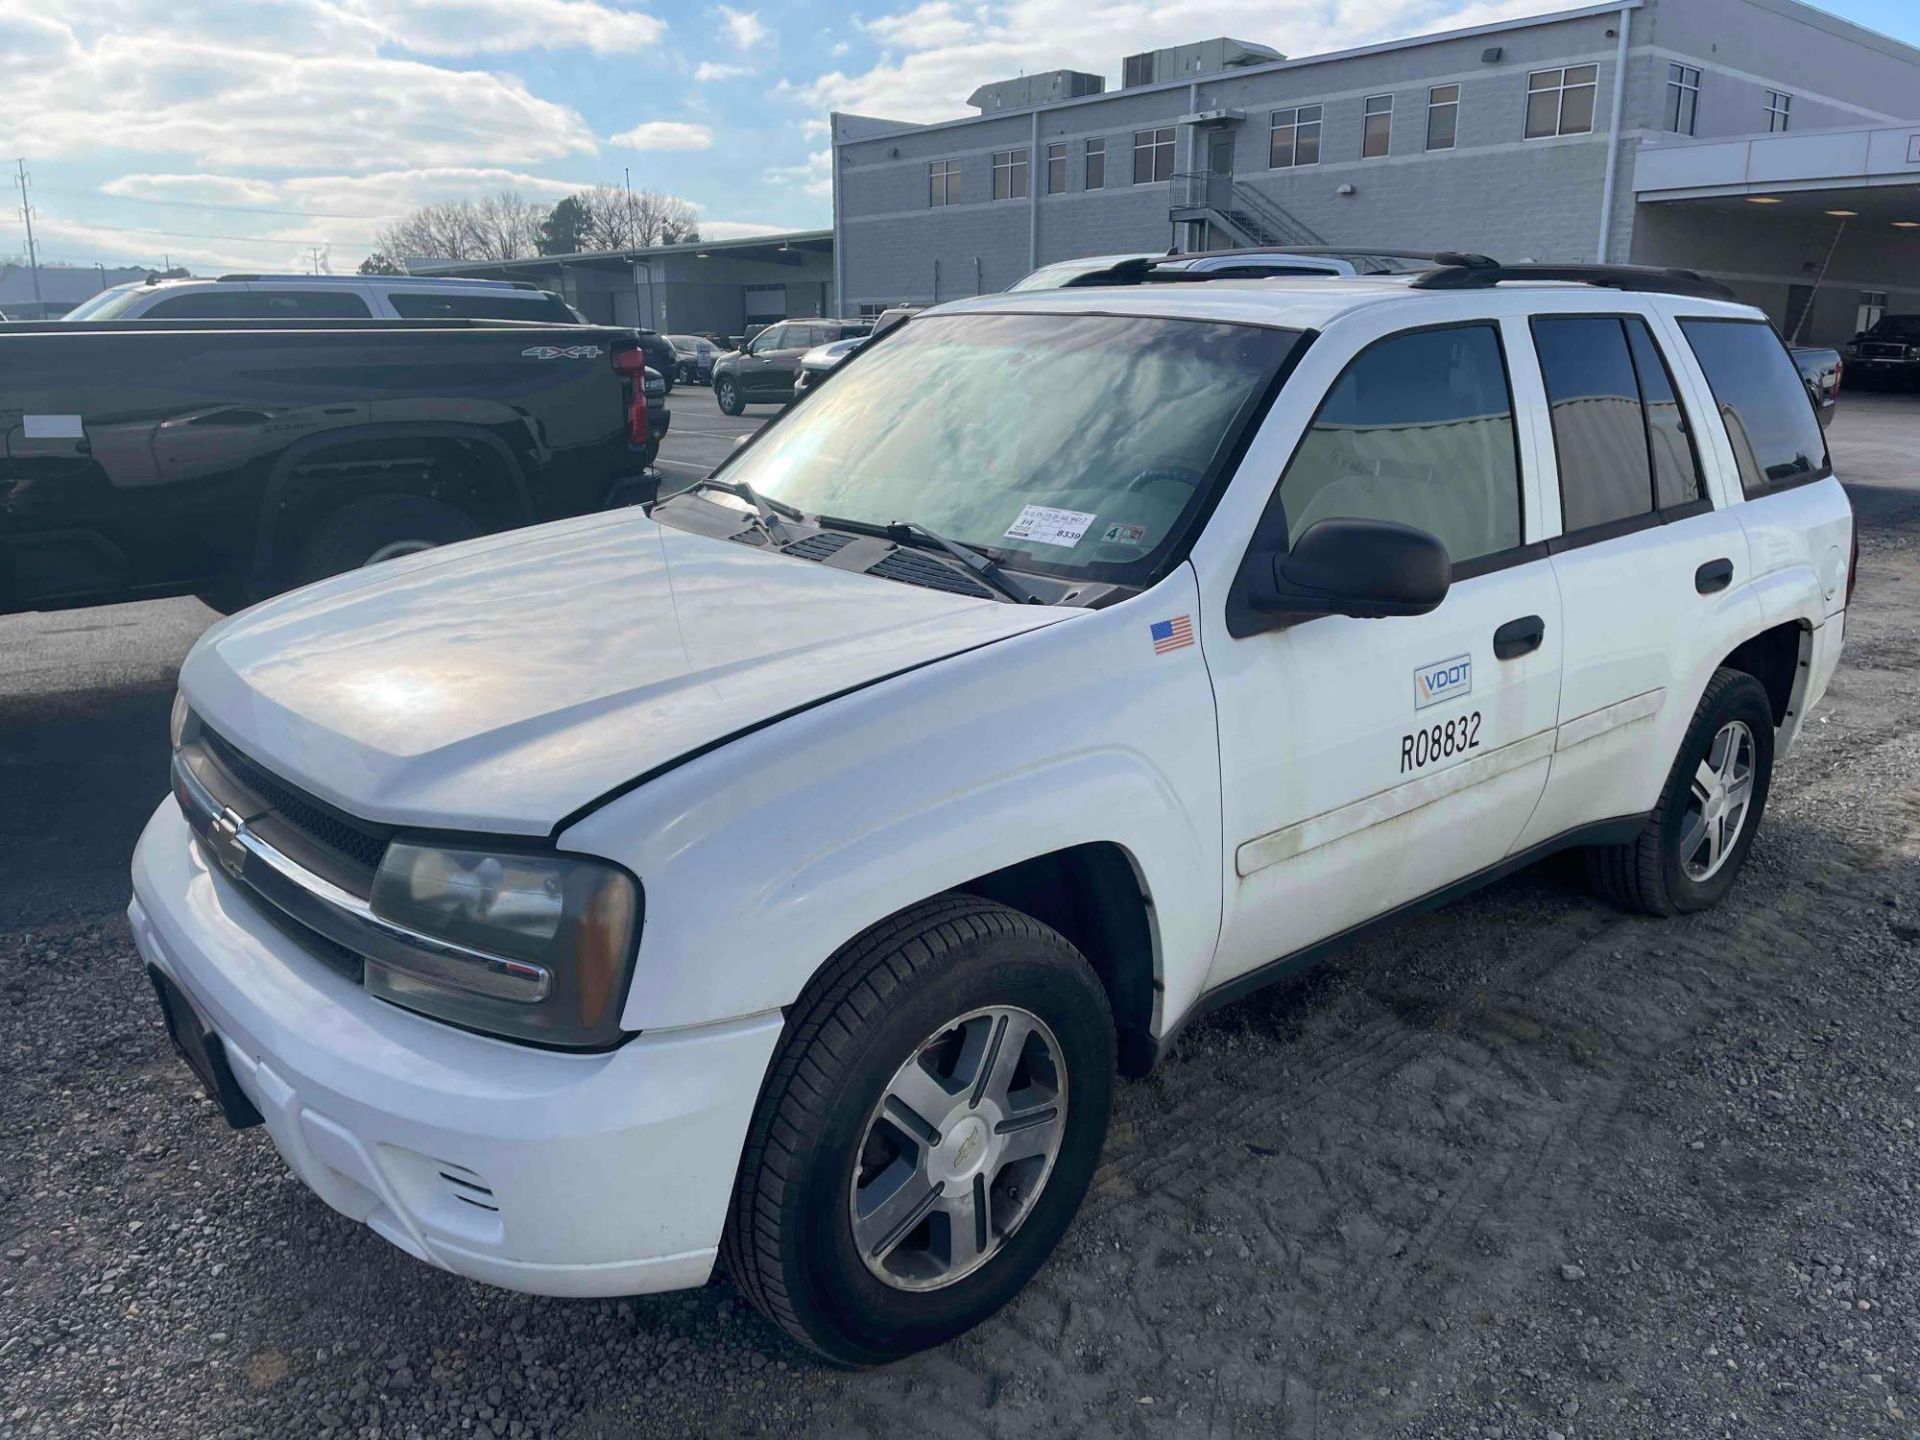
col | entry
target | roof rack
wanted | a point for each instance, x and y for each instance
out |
(1477, 272)
(1161, 269)
(378, 279)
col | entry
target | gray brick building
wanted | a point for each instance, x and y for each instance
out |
(1764, 141)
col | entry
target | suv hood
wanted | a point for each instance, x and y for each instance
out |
(502, 684)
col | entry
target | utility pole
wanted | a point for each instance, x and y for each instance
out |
(26, 214)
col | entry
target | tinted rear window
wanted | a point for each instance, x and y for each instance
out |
(454, 305)
(262, 305)
(1776, 437)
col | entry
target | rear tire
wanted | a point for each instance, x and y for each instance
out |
(383, 528)
(1690, 853)
(726, 392)
(922, 1000)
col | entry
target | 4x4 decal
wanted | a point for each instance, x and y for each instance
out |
(562, 352)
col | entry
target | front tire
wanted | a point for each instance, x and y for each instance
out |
(726, 393)
(926, 1133)
(1696, 840)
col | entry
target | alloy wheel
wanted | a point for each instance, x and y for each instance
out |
(959, 1148)
(1717, 803)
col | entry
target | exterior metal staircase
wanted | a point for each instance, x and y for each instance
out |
(1238, 211)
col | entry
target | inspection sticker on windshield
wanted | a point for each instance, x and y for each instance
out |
(1044, 525)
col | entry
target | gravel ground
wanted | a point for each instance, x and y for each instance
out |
(1526, 1167)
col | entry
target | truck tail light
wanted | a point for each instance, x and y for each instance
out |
(630, 363)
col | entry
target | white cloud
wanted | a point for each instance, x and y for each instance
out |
(230, 106)
(477, 27)
(743, 27)
(939, 51)
(708, 71)
(665, 135)
(741, 229)
(814, 176)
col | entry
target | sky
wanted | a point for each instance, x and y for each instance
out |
(274, 134)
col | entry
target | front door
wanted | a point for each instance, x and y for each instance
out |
(1369, 763)
(1220, 152)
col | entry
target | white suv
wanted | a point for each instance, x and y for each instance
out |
(327, 297)
(785, 874)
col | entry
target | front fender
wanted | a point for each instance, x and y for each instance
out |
(763, 857)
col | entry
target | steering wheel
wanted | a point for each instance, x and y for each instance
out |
(1166, 475)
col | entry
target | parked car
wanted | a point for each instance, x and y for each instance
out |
(818, 362)
(693, 357)
(235, 458)
(1243, 264)
(1820, 367)
(1069, 666)
(764, 372)
(1886, 354)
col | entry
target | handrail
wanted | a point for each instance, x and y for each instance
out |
(1236, 203)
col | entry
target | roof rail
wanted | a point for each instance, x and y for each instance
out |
(379, 279)
(1643, 279)
(1160, 269)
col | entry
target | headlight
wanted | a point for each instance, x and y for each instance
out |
(554, 936)
(177, 723)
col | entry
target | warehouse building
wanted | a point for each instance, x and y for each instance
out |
(1763, 141)
(704, 287)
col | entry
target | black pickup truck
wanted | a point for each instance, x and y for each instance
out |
(234, 459)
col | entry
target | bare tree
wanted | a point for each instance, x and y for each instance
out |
(619, 219)
(503, 226)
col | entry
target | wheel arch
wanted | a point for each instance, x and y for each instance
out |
(283, 506)
(1778, 657)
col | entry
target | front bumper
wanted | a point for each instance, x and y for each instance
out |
(559, 1174)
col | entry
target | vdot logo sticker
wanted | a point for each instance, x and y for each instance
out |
(1445, 681)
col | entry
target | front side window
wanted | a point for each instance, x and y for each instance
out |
(1056, 167)
(1152, 155)
(1010, 175)
(1683, 98)
(1443, 116)
(1418, 429)
(1294, 138)
(1096, 164)
(1124, 426)
(1560, 102)
(1376, 135)
(943, 182)
(1779, 111)
(1775, 435)
(452, 305)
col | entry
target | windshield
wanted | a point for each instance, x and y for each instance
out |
(107, 304)
(1896, 327)
(1082, 446)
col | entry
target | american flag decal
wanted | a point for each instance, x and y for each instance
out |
(1174, 634)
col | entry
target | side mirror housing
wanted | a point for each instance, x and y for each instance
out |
(1369, 569)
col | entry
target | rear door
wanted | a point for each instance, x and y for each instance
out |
(756, 365)
(1369, 763)
(1652, 572)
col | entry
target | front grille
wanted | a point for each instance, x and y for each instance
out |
(917, 569)
(1884, 352)
(338, 847)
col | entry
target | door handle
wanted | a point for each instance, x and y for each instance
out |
(1519, 637)
(1713, 576)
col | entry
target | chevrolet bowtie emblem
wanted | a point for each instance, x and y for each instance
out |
(223, 839)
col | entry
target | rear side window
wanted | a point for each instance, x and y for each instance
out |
(1418, 429)
(262, 305)
(1775, 435)
(452, 305)
(1618, 432)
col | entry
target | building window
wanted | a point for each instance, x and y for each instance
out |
(872, 309)
(1560, 102)
(1295, 137)
(1096, 164)
(1376, 129)
(1873, 304)
(1683, 98)
(1443, 116)
(943, 182)
(1152, 155)
(1056, 166)
(1779, 111)
(1010, 175)
(1136, 70)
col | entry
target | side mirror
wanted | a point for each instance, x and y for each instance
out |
(1370, 569)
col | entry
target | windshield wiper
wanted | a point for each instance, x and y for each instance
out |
(764, 510)
(912, 532)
